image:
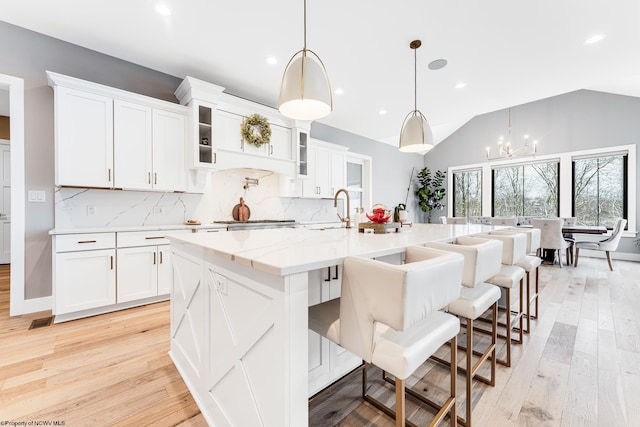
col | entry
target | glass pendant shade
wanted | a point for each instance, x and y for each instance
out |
(416, 134)
(305, 91)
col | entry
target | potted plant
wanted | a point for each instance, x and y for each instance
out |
(400, 213)
(430, 191)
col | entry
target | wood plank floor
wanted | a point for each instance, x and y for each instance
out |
(580, 366)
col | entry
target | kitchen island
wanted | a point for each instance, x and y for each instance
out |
(239, 335)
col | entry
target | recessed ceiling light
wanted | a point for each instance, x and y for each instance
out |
(163, 10)
(272, 61)
(437, 64)
(382, 112)
(460, 85)
(338, 91)
(594, 39)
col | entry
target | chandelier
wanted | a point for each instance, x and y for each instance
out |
(507, 151)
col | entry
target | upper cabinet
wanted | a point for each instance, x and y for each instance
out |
(222, 130)
(109, 138)
(84, 139)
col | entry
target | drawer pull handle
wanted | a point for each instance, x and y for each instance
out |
(148, 177)
(111, 261)
(160, 257)
(154, 237)
(109, 173)
(86, 241)
(328, 279)
(154, 258)
(155, 178)
(336, 276)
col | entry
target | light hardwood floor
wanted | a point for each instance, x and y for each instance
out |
(580, 366)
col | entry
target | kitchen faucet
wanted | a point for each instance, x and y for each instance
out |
(346, 219)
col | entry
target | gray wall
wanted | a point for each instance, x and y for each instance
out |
(29, 54)
(575, 121)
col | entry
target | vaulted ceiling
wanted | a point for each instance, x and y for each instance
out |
(506, 52)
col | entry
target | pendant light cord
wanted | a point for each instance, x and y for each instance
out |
(305, 25)
(415, 78)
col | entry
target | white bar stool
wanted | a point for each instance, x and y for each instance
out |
(529, 263)
(389, 316)
(510, 275)
(482, 260)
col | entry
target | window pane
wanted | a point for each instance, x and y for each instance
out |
(354, 175)
(507, 191)
(526, 190)
(467, 197)
(599, 190)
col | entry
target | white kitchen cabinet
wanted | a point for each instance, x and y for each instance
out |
(110, 138)
(169, 136)
(83, 138)
(325, 170)
(144, 265)
(132, 145)
(281, 145)
(84, 272)
(228, 136)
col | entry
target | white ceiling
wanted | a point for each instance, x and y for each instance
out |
(508, 52)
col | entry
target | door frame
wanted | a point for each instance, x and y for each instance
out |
(17, 304)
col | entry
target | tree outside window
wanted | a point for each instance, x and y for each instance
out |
(526, 190)
(599, 190)
(467, 196)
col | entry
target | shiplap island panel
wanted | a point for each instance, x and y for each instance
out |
(239, 334)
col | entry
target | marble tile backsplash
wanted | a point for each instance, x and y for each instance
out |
(80, 208)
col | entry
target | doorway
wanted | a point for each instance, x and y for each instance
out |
(5, 178)
(14, 227)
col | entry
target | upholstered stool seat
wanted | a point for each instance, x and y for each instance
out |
(509, 276)
(389, 315)
(482, 260)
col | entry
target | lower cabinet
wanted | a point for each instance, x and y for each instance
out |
(92, 274)
(327, 360)
(143, 272)
(84, 272)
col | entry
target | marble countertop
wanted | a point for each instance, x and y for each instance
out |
(83, 230)
(287, 251)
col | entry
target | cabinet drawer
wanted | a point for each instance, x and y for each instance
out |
(85, 242)
(129, 239)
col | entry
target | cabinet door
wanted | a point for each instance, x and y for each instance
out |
(309, 186)
(132, 145)
(323, 172)
(281, 145)
(169, 136)
(226, 131)
(338, 171)
(137, 273)
(165, 271)
(84, 280)
(84, 139)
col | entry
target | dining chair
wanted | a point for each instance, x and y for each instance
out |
(551, 236)
(524, 220)
(568, 237)
(456, 220)
(504, 220)
(390, 316)
(608, 245)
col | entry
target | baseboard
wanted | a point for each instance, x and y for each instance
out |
(33, 305)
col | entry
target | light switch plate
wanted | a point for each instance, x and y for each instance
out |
(37, 196)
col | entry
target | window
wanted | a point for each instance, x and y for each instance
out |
(467, 197)
(526, 190)
(600, 189)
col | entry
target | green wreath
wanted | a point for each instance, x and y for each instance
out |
(256, 130)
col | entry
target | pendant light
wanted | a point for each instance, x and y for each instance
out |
(416, 134)
(305, 91)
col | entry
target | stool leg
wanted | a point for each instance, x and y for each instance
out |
(508, 334)
(528, 303)
(454, 374)
(400, 403)
(469, 372)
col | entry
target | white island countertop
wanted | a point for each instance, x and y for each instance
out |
(287, 251)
